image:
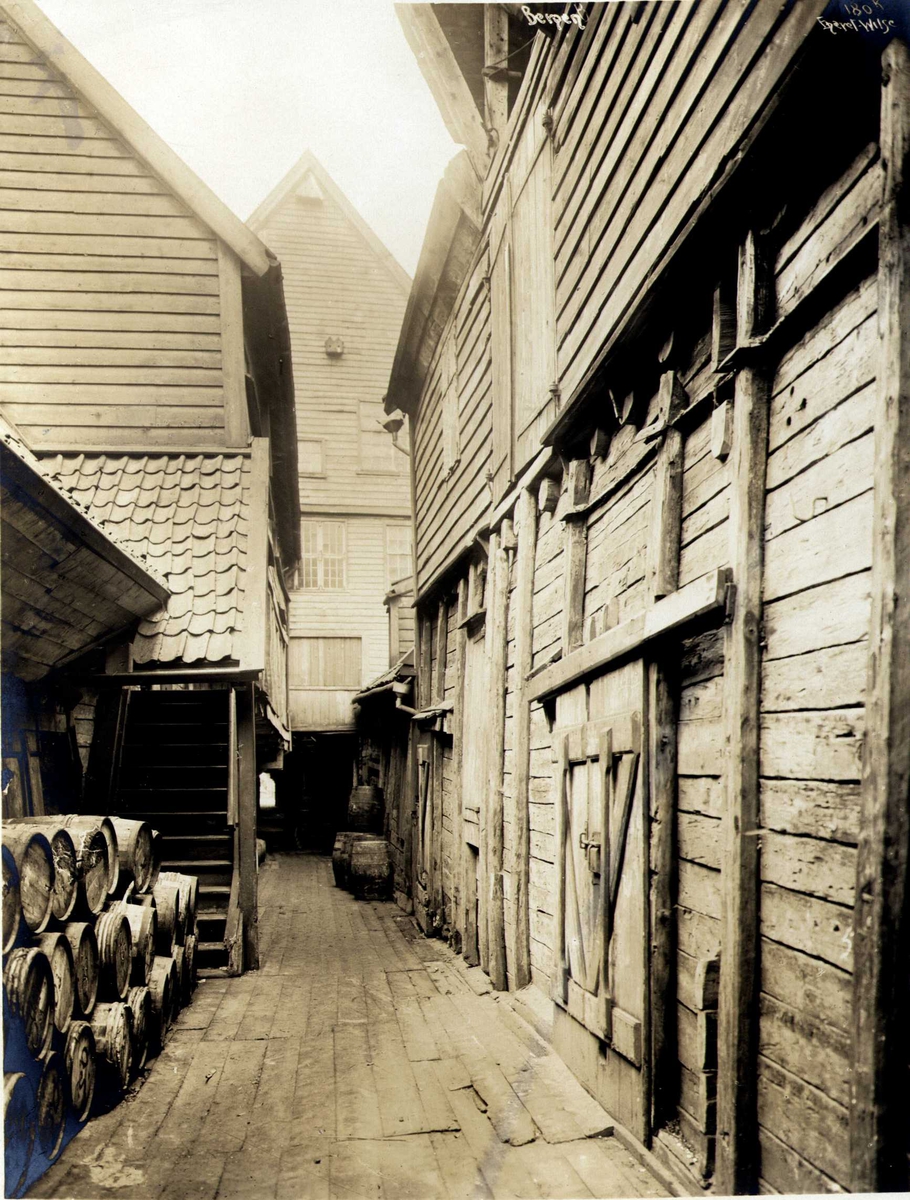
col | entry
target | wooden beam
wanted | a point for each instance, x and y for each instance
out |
(246, 824)
(460, 854)
(233, 363)
(696, 599)
(496, 82)
(664, 1067)
(443, 75)
(255, 614)
(491, 813)
(526, 512)
(436, 891)
(666, 520)
(576, 555)
(880, 993)
(737, 1010)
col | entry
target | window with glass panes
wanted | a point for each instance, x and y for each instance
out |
(398, 547)
(322, 561)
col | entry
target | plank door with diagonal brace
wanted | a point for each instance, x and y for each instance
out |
(597, 772)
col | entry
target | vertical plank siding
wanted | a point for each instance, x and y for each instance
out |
(754, 711)
(110, 329)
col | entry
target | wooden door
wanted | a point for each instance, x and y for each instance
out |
(600, 920)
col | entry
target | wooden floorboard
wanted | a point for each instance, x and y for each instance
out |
(360, 1061)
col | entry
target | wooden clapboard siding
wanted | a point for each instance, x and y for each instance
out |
(109, 286)
(670, 94)
(336, 287)
(813, 695)
(449, 505)
(356, 610)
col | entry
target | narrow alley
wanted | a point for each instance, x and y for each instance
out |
(361, 1060)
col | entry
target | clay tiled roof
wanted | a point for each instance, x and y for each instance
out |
(186, 517)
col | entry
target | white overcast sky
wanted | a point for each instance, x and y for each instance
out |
(240, 88)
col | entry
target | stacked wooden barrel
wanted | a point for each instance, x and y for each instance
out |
(98, 959)
(361, 861)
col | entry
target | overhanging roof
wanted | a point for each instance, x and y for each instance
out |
(67, 584)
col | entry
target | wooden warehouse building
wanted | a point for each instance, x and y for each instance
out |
(656, 368)
(346, 298)
(150, 505)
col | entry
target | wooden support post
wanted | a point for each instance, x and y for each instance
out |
(579, 487)
(666, 520)
(737, 1010)
(246, 824)
(496, 81)
(492, 811)
(526, 511)
(436, 896)
(460, 851)
(878, 1117)
(662, 708)
(424, 631)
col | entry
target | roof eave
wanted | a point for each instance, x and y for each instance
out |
(111, 106)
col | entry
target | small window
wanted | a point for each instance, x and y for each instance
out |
(322, 563)
(311, 456)
(325, 662)
(399, 557)
(377, 450)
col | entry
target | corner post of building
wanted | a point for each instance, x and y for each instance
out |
(880, 990)
(246, 823)
(526, 512)
(492, 819)
(663, 578)
(439, 694)
(737, 1000)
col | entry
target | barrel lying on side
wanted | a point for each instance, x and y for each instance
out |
(115, 953)
(112, 1027)
(63, 968)
(53, 1090)
(28, 984)
(12, 911)
(92, 864)
(171, 927)
(63, 852)
(19, 1129)
(139, 1000)
(162, 999)
(34, 861)
(79, 1057)
(189, 947)
(82, 939)
(138, 861)
(188, 888)
(143, 922)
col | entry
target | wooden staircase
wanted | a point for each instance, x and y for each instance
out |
(173, 772)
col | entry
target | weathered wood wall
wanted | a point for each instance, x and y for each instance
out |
(111, 303)
(741, 462)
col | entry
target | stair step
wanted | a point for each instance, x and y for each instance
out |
(207, 870)
(197, 847)
(211, 954)
(211, 925)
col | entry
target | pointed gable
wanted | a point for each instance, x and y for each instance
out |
(119, 269)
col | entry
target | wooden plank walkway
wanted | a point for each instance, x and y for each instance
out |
(361, 1061)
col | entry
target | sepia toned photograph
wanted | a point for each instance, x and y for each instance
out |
(455, 571)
